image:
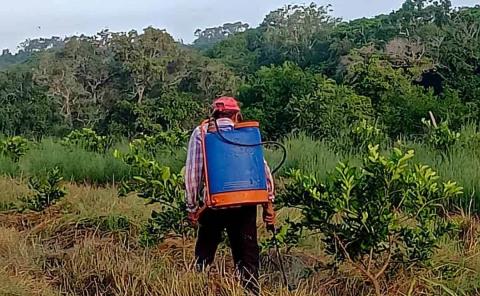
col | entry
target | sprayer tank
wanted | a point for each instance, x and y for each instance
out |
(235, 173)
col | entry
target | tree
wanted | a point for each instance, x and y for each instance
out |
(210, 78)
(210, 36)
(400, 104)
(240, 52)
(296, 33)
(41, 44)
(267, 95)
(329, 111)
(57, 72)
(459, 54)
(25, 107)
(150, 58)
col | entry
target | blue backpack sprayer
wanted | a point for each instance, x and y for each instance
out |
(235, 169)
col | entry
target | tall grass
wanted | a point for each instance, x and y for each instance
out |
(308, 155)
(8, 167)
(75, 163)
(305, 153)
(461, 165)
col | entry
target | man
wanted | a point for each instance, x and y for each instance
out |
(240, 221)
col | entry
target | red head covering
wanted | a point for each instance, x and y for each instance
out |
(226, 104)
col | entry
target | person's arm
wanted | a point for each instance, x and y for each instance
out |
(268, 210)
(193, 171)
(270, 183)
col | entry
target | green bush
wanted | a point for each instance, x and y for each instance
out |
(88, 139)
(440, 137)
(388, 210)
(328, 111)
(356, 139)
(155, 183)
(14, 147)
(46, 191)
(400, 104)
(267, 94)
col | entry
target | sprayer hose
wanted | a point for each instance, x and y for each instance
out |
(284, 157)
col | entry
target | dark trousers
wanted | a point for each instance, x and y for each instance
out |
(241, 226)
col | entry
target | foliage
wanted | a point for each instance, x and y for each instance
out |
(400, 103)
(170, 111)
(288, 236)
(26, 108)
(14, 147)
(459, 55)
(88, 140)
(240, 52)
(46, 191)
(297, 33)
(156, 184)
(440, 137)
(150, 146)
(386, 210)
(75, 163)
(210, 36)
(270, 91)
(149, 59)
(328, 111)
(357, 139)
(422, 57)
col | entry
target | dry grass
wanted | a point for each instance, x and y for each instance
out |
(20, 271)
(68, 251)
(10, 191)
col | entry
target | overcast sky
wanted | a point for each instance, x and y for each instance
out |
(22, 19)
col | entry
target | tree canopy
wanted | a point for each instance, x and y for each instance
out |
(300, 69)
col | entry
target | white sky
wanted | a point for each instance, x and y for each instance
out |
(22, 19)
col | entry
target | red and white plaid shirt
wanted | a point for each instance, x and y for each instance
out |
(194, 179)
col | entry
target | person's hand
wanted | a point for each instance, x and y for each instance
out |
(269, 215)
(193, 218)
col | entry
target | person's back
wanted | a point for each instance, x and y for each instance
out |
(239, 221)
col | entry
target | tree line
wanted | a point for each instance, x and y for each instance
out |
(300, 70)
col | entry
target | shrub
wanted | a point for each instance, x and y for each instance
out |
(268, 93)
(356, 139)
(329, 110)
(440, 137)
(386, 210)
(89, 140)
(14, 147)
(46, 191)
(165, 141)
(156, 184)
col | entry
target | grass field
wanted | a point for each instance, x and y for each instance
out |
(87, 244)
(304, 153)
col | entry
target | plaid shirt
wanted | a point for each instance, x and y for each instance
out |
(194, 179)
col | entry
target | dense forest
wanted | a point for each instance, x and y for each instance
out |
(300, 69)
